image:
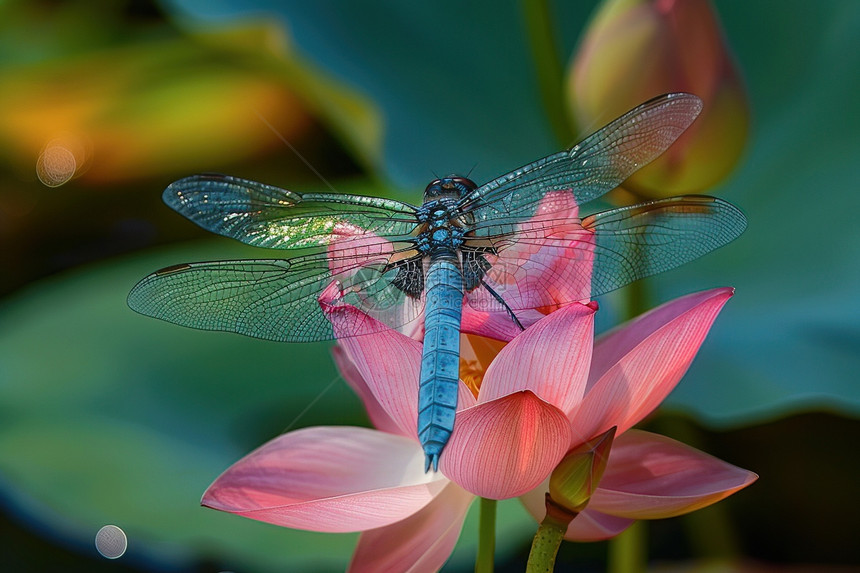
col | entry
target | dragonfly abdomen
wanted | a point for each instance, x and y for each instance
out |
(440, 362)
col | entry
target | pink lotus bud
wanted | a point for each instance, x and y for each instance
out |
(634, 50)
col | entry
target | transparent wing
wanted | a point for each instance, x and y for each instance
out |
(549, 262)
(274, 299)
(650, 238)
(267, 216)
(596, 165)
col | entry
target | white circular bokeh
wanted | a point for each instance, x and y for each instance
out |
(56, 165)
(111, 541)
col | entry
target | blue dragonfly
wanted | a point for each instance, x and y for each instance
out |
(504, 249)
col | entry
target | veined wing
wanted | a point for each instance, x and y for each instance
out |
(275, 299)
(596, 165)
(267, 216)
(650, 238)
(550, 262)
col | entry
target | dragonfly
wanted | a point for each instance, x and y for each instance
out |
(501, 250)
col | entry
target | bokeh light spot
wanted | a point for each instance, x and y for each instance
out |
(111, 541)
(56, 165)
(63, 158)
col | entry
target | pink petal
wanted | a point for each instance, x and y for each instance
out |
(538, 270)
(636, 366)
(373, 316)
(388, 362)
(612, 346)
(349, 244)
(383, 366)
(551, 358)
(506, 447)
(331, 479)
(465, 398)
(421, 542)
(378, 416)
(350, 320)
(590, 525)
(497, 325)
(650, 476)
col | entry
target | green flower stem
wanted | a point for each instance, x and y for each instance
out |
(637, 297)
(545, 547)
(548, 66)
(628, 552)
(548, 538)
(486, 536)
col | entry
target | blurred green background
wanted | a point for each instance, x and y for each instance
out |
(107, 417)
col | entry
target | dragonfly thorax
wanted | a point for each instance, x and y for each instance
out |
(441, 225)
(441, 231)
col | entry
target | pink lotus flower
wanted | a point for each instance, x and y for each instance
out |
(547, 391)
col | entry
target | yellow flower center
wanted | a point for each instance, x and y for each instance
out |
(476, 354)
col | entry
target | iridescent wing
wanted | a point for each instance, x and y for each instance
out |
(267, 216)
(275, 299)
(596, 165)
(368, 248)
(548, 261)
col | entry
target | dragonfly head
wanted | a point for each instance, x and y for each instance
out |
(450, 187)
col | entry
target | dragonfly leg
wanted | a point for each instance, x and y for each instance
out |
(503, 303)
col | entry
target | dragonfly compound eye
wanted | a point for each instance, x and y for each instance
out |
(452, 186)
